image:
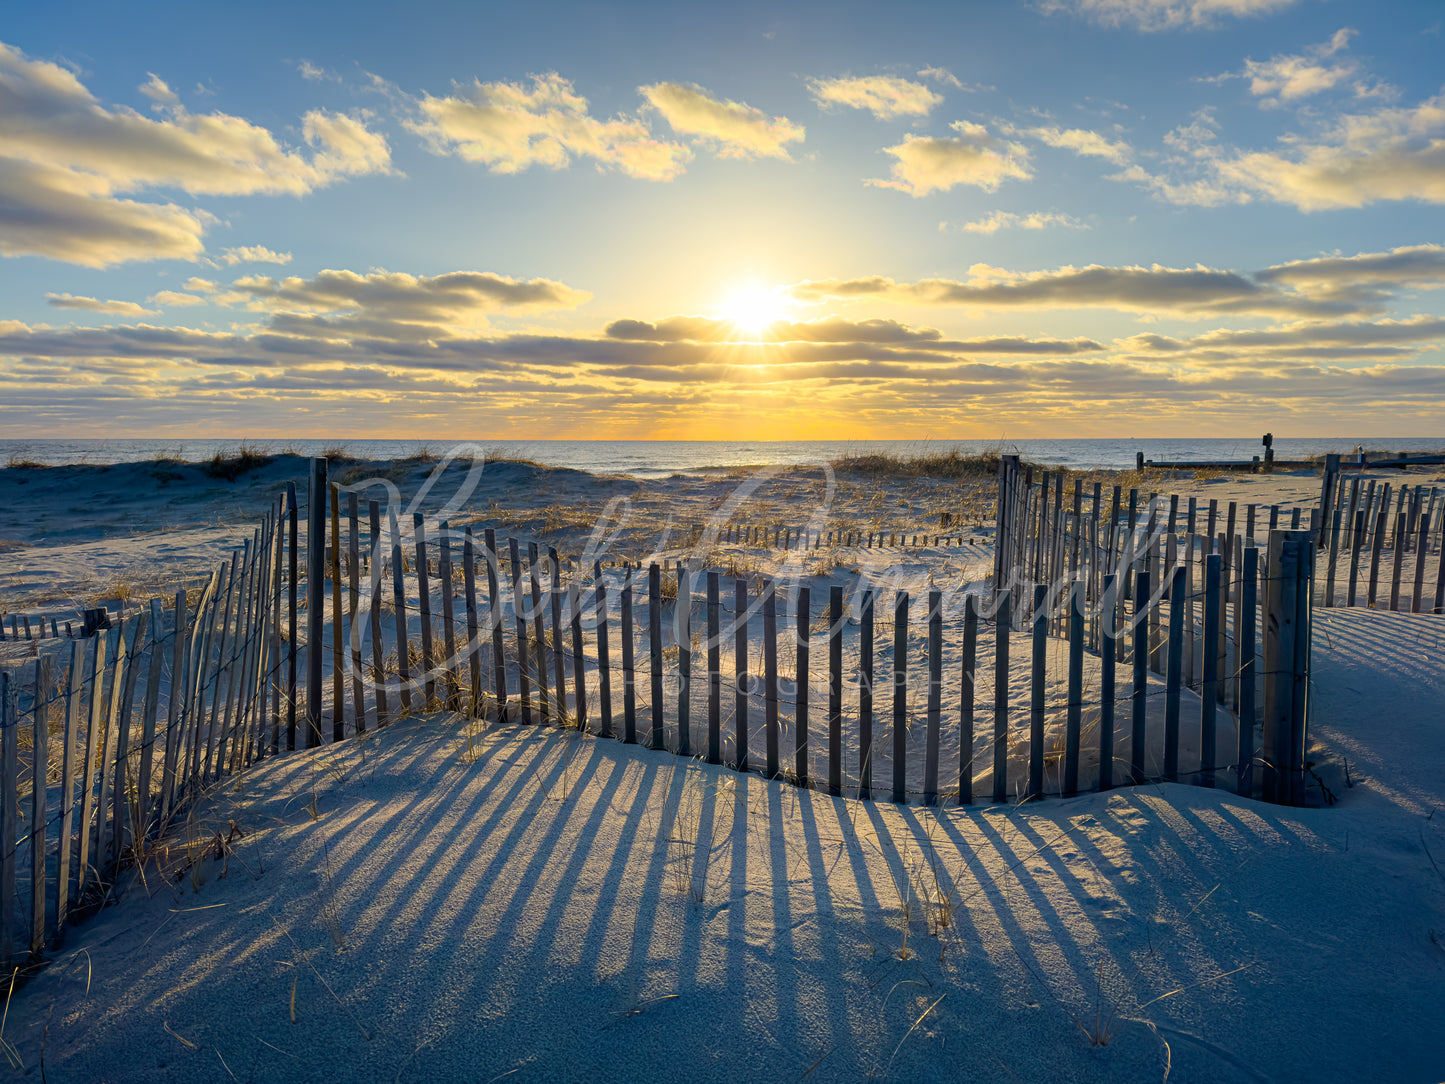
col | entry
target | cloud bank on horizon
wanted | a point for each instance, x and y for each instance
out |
(1217, 213)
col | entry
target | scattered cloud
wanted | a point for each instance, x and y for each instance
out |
(1286, 78)
(171, 299)
(941, 75)
(735, 129)
(67, 160)
(1081, 141)
(1155, 291)
(91, 304)
(884, 96)
(314, 74)
(200, 285)
(254, 254)
(1035, 220)
(511, 127)
(396, 305)
(1163, 14)
(935, 164)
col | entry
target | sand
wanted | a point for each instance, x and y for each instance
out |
(445, 900)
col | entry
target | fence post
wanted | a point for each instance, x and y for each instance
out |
(714, 673)
(966, 700)
(654, 643)
(1286, 664)
(9, 806)
(740, 672)
(1038, 620)
(802, 607)
(770, 677)
(900, 697)
(315, 596)
(865, 691)
(1108, 630)
(935, 697)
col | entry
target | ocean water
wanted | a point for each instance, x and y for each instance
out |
(659, 458)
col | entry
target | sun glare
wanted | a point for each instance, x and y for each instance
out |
(751, 309)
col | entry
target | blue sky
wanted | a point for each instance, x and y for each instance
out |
(1068, 217)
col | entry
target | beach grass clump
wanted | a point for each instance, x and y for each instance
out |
(230, 466)
(952, 464)
(19, 462)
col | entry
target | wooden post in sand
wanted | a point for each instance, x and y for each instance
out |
(835, 693)
(423, 609)
(315, 595)
(802, 611)
(682, 634)
(1174, 677)
(714, 672)
(966, 700)
(1377, 544)
(579, 657)
(338, 671)
(1398, 543)
(1286, 665)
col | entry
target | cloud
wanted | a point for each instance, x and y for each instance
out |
(1164, 14)
(311, 72)
(71, 215)
(511, 127)
(90, 304)
(1290, 77)
(884, 96)
(1156, 290)
(941, 75)
(1035, 220)
(1081, 141)
(735, 129)
(199, 285)
(68, 159)
(1363, 275)
(1390, 154)
(171, 299)
(254, 254)
(935, 164)
(395, 305)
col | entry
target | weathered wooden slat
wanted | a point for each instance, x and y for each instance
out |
(378, 637)
(1207, 693)
(495, 620)
(657, 739)
(74, 699)
(423, 609)
(966, 700)
(1244, 753)
(1038, 621)
(604, 669)
(579, 656)
(1139, 728)
(1107, 692)
(740, 673)
(140, 824)
(770, 678)
(558, 651)
(118, 752)
(865, 692)
(539, 629)
(682, 636)
(9, 808)
(934, 710)
(1174, 677)
(353, 581)
(900, 697)
(802, 608)
(338, 670)
(174, 705)
(1073, 725)
(1003, 622)
(39, 790)
(714, 669)
(223, 670)
(629, 674)
(1377, 545)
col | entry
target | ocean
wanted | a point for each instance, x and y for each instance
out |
(660, 458)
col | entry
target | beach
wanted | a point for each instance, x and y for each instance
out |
(448, 899)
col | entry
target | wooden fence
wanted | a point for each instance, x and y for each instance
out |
(339, 616)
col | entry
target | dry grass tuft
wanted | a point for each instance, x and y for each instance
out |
(246, 458)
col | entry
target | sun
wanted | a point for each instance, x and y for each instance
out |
(751, 309)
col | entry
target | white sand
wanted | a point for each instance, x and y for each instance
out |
(556, 907)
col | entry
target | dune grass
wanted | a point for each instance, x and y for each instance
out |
(246, 458)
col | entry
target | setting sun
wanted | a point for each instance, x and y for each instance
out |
(752, 308)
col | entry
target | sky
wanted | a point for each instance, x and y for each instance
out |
(1057, 218)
